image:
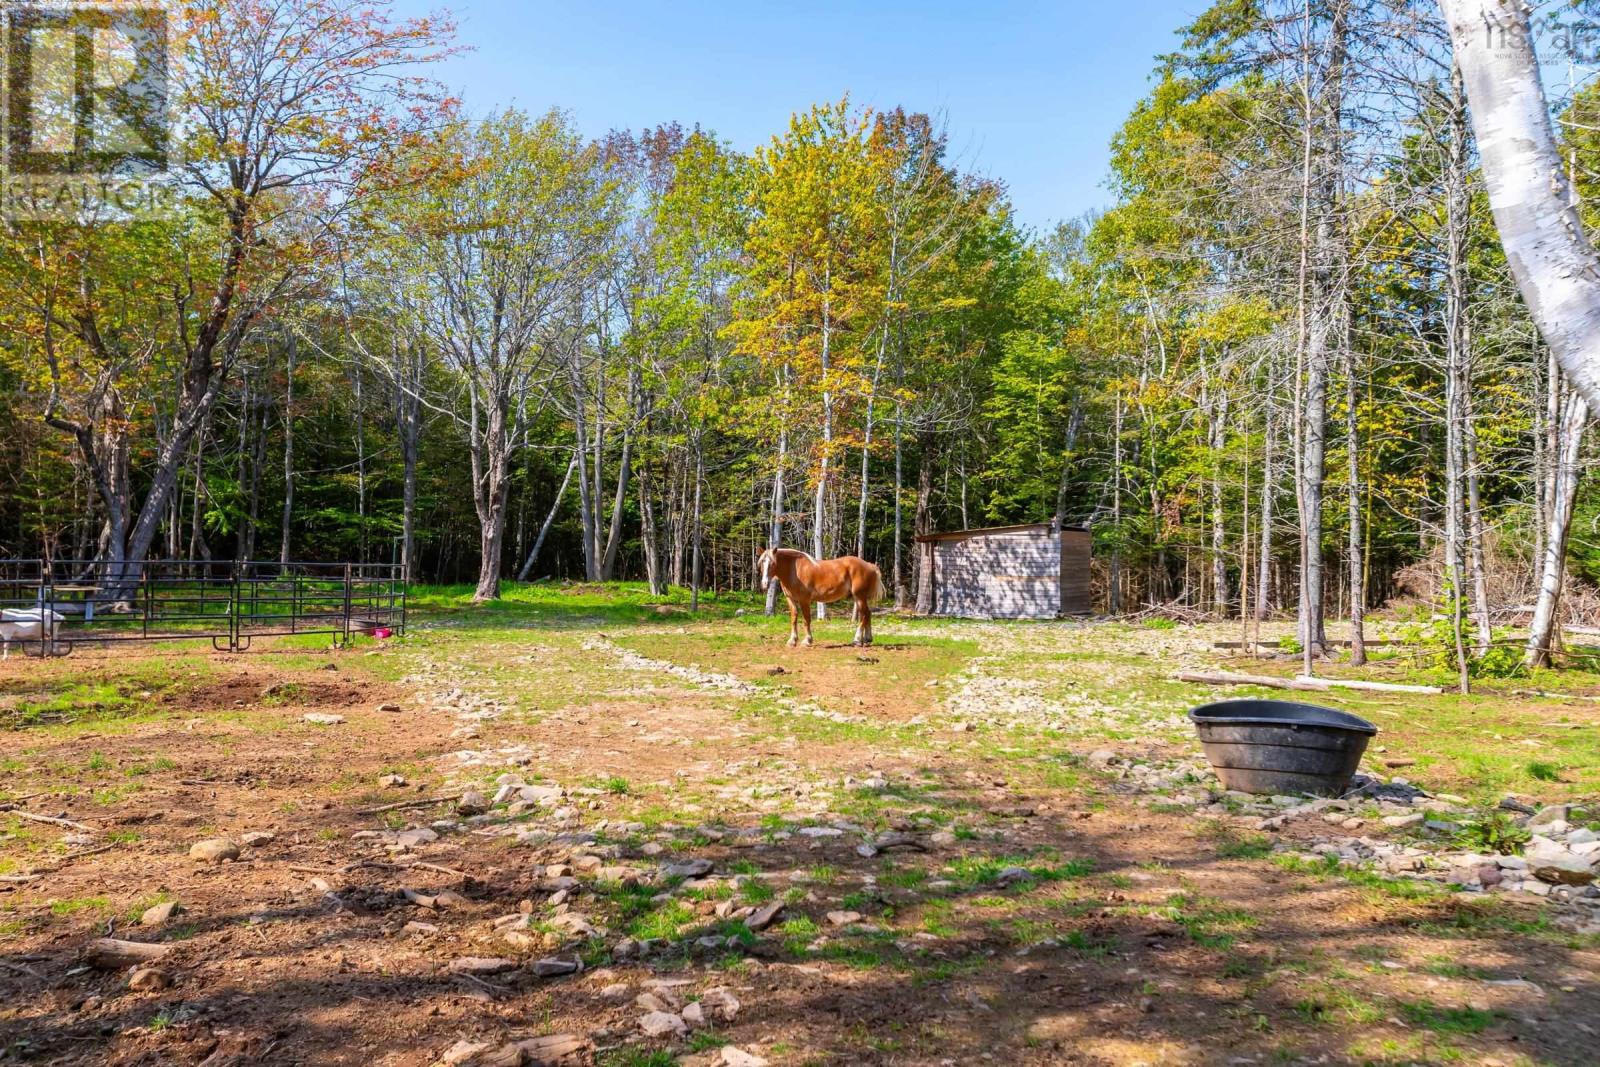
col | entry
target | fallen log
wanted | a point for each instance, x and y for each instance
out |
(1233, 678)
(1264, 643)
(417, 803)
(51, 819)
(1373, 687)
(113, 954)
(1303, 682)
(1548, 694)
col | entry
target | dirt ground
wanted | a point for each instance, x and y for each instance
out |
(960, 883)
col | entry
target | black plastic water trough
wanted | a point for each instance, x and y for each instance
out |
(1279, 746)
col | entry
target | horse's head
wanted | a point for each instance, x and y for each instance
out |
(767, 567)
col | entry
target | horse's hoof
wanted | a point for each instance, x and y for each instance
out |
(791, 642)
(808, 642)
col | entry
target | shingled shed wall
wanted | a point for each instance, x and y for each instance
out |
(1008, 572)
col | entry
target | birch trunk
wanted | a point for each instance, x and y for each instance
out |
(1550, 256)
(1564, 492)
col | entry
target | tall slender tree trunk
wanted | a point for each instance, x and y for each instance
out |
(1218, 417)
(820, 502)
(1269, 488)
(1543, 634)
(923, 524)
(549, 520)
(775, 525)
(901, 586)
(614, 534)
(408, 431)
(697, 527)
(291, 349)
(1355, 559)
(1069, 460)
(588, 501)
(1114, 576)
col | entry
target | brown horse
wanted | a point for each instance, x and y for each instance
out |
(807, 581)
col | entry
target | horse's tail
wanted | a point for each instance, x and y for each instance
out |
(876, 592)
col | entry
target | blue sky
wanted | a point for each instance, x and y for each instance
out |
(1032, 91)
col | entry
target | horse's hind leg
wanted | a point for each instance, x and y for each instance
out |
(860, 614)
(866, 621)
(806, 614)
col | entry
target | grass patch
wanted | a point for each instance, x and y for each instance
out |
(1430, 1016)
(77, 905)
(972, 871)
(1243, 846)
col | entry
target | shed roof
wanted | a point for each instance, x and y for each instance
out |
(983, 531)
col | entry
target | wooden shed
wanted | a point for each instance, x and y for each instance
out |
(1034, 571)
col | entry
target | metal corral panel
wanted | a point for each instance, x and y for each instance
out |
(1009, 572)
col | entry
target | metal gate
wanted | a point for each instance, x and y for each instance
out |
(69, 602)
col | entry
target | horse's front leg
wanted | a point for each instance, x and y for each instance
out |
(806, 614)
(794, 623)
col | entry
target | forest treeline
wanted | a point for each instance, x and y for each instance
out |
(1285, 370)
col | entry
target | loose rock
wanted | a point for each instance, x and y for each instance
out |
(663, 1024)
(148, 979)
(160, 914)
(481, 965)
(214, 850)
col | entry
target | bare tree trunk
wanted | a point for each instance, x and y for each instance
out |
(242, 532)
(901, 593)
(649, 529)
(408, 428)
(1269, 486)
(1355, 558)
(821, 500)
(290, 351)
(924, 525)
(1542, 633)
(587, 501)
(1550, 256)
(1322, 295)
(1114, 580)
(696, 529)
(775, 527)
(490, 452)
(1069, 459)
(1218, 416)
(614, 534)
(549, 520)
